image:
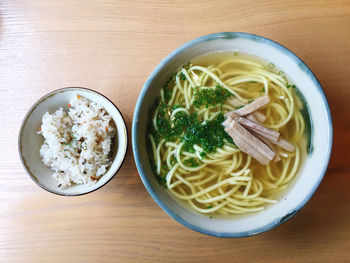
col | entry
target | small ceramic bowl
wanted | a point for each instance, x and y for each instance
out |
(29, 142)
(309, 176)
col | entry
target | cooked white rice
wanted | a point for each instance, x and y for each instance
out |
(77, 144)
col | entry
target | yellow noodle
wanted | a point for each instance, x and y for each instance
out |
(229, 181)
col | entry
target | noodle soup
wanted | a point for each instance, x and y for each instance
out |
(210, 151)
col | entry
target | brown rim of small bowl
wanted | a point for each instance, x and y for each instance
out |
(19, 143)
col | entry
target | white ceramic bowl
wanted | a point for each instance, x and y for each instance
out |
(308, 178)
(29, 142)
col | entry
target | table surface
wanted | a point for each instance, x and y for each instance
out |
(112, 46)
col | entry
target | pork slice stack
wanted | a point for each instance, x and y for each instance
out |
(248, 143)
(250, 136)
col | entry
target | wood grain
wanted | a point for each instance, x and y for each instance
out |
(112, 46)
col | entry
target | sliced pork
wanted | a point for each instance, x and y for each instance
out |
(270, 145)
(286, 145)
(259, 129)
(248, 143)
(255, 105)
(250, 135)
(253, 125)
(261, 117)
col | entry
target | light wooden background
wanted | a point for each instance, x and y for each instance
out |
(112, 46)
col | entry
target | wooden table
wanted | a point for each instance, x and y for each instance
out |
(112, 46)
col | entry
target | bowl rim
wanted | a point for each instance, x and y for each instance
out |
(29, 112)
(158, 68)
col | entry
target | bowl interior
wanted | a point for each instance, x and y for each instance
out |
(30, 142)
(309, 175)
